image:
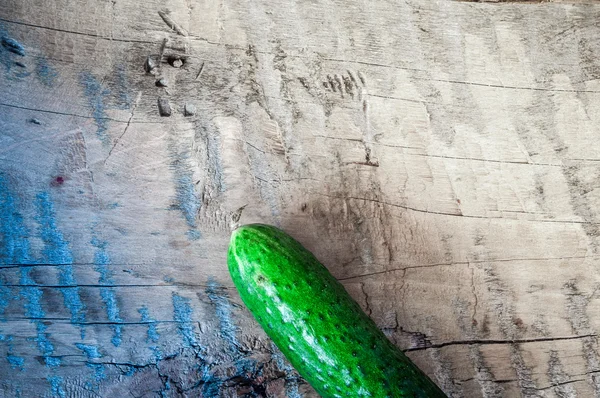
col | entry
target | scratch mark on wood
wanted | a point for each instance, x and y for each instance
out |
(577, 305)
(171, 23)
(139, 96)
(418, 210)
(200, 71)
(509, 341)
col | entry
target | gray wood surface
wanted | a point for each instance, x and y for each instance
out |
(441, 158)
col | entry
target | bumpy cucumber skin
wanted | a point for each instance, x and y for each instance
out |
(315, 323)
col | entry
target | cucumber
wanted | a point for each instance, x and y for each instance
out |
(315, 323)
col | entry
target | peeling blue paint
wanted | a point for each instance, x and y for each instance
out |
(163, 392)
(14, 243)
(112, 311)
(14, 237)
(158, 356)
(211, 384)
(15, 249)
(16, 362)
(33, 310)
(220, 300)
(5, 297)
(45, 72)
(108, 294)
(56, 388)
(56, 251)
(99, 375)
(45, 346)
(152, 332)
(245, 366)
(182, 313)
(101, 261)
(11, 52)
(12, 45)
(91, 352)
(193, 234)
(97, 96)
(31, 294)
(186, 200)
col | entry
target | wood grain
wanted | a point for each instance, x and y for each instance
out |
(440, 158)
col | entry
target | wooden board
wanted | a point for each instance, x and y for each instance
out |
(441, 159)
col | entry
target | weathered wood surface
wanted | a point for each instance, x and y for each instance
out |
(440, 157)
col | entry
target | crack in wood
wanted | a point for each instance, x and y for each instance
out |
(494, 341)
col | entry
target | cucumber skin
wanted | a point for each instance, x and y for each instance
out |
(315, 323)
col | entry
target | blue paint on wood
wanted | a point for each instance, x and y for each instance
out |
(163, 392)
(99, 375)
(45, 72)
(5, 297)
(152, 333)
(56, 388)
(33, 309)
(15, 361)
(31, 293)
(158, 356)
(124, 101)
(11, 52)
(14, 237)
(101, 262)
(186, 200)
(97, 96)
(12, 45)
(108, 294)
(112, 310)
(211, 384)
(194, 234)
(45, 346)
(91, 352)
(220, 300)
(14, 243)
(15, 249)
(56, 251)
(182, 314)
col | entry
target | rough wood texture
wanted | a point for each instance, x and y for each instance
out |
(439, 157)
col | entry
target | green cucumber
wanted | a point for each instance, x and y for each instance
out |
(315, 323)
